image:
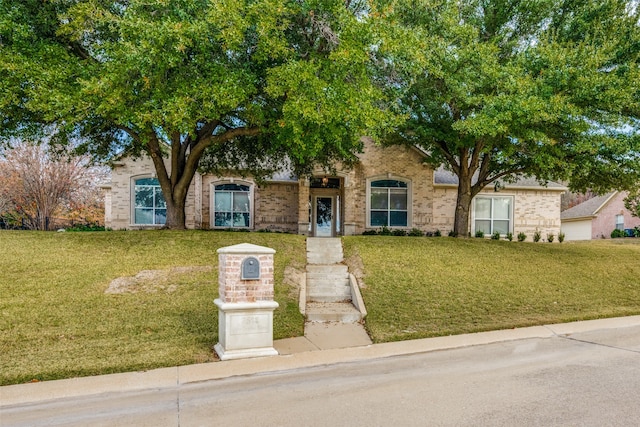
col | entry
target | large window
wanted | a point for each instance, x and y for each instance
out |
(231, 206)
(149, 205)
(619, 222)
(388, 203)
(493, 214)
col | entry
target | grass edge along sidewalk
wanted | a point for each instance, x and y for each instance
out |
(57, 322)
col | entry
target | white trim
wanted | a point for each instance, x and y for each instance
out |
(385, 177)
(212, 200)
(493, 196)
(132, 202)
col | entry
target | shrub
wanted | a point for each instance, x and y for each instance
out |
(369, 233)
(452, 234)
(537, 236)
(636, 231)
(617, 233)
(86, 227)
(522, 237)
(437, 233)
(510, 236)
(398, 232)
(550, 237)
(495, 235)
(416, 232)
(385, 231)
(561, 237)
(480, 233)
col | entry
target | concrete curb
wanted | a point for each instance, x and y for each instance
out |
(176, 376)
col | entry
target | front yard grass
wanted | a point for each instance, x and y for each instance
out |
(424, 287)
(56, 321)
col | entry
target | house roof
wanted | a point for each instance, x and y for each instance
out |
(587, 209)
(444, 177)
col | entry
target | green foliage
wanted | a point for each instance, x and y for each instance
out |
(510, 236)
(550, 237)
(516, 88)
(561, 237)
(415, 232)
(617, 233)
(398, 232)
(86, 227)
(479, 233)
(437, 233)
(495, 235)
(206, 84)
(385, 231)
(537, 236)
(369, 233)
(632, 202)
(522, 237)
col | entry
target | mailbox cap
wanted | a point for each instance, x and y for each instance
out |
(246, 248)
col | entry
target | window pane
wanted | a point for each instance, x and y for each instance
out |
(223, 219)
(143, 216)
(160, 203)
(223, 201)
(398, 219)
(161, 216)
(398, 199)
(501, 226)
(144, 197)
(389, 183)
(484, 226)
(379, 218)
(241, 202)
(502, 208)
(147, 181)
(483, 208)
(379, 198)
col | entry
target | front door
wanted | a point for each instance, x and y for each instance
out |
(324, 216)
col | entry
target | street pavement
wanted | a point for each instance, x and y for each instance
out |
(577, 374)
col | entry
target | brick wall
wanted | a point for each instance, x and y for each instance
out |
(605, 222)
(233, 289)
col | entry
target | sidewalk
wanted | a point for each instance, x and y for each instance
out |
(323, 346)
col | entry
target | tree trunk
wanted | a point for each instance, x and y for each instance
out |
(176, 217)
(461, 226)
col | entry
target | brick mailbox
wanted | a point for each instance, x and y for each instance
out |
(245, 302)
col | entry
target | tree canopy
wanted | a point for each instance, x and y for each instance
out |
(174, 79)
(540, 88)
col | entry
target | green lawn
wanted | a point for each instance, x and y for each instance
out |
(422, 287)
(56, 321)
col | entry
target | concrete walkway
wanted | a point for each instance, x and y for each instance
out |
(312, 350)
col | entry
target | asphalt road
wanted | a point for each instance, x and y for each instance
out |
(586, 379)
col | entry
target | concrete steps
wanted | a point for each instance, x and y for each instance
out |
(343, 312)
(328, 287)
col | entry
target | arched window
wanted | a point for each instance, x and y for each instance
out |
(388, 203)
(232, 206)
(149, 205)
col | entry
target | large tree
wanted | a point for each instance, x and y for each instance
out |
(540, 88)
(171, 79)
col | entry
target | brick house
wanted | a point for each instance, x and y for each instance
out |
(387, 187)
(596, 218)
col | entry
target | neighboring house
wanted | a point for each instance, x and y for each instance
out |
(389, 187)
(596, 218)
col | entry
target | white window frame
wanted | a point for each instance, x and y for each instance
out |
(389, 177)
(492, 218)
(212, 197)
(134, 186)
(620, 222)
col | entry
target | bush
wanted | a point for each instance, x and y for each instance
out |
(385, 231)
(86, 227)
(369, 233)
(495, 235)
(416, 232)
(522, 237)
(550, 237)
(510, 236)
(617, 233)
(561, 237)
(437, 233)
(537, 236)
(398, 232)
(452, 234)
(480, 233)
(636, 231)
